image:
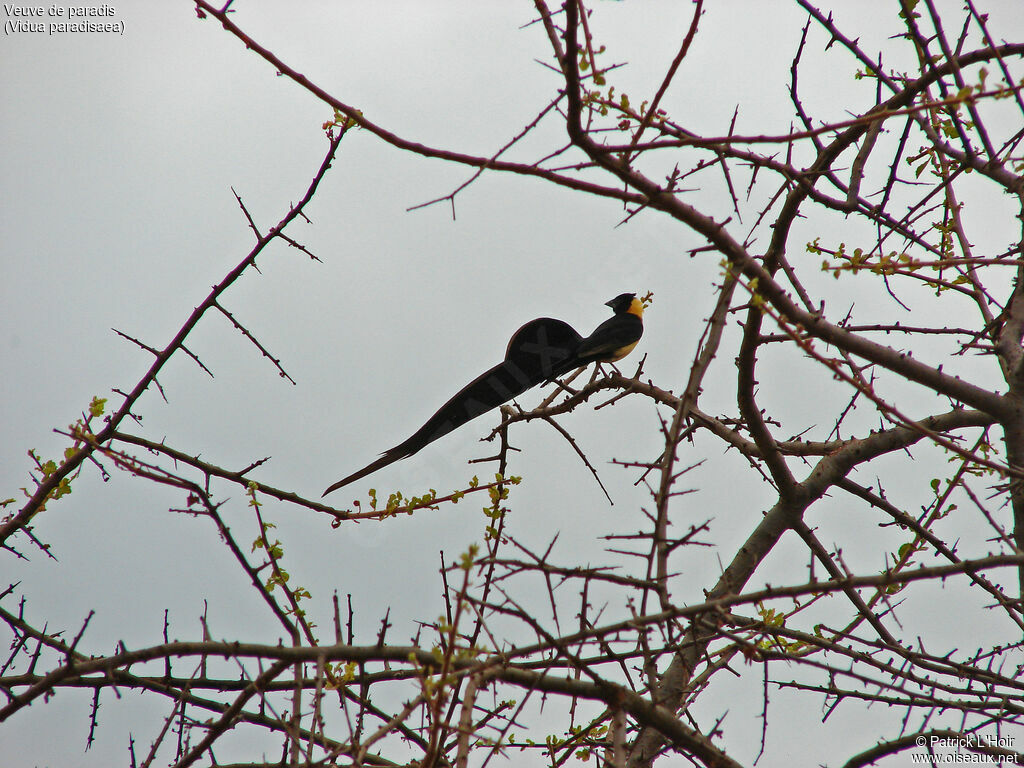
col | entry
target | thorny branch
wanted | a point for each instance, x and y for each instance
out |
(626, 656)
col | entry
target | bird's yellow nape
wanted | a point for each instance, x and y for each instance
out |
(636, 307)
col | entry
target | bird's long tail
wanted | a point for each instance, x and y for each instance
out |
(535, 351)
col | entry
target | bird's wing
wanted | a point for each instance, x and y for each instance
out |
(607, 342)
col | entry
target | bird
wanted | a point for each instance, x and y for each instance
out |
(540, 351)
(613, 339)
(531, 357)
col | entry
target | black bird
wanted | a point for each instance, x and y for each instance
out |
(540, 351)
(531, 358)
(613, 339)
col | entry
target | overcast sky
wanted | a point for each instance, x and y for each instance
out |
(119, 155)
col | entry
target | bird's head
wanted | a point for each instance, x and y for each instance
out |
(626, 302)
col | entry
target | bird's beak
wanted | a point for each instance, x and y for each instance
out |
(609, 302)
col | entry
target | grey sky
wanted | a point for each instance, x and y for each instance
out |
(119, 153)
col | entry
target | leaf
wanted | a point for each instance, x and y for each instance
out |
(909, 13)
